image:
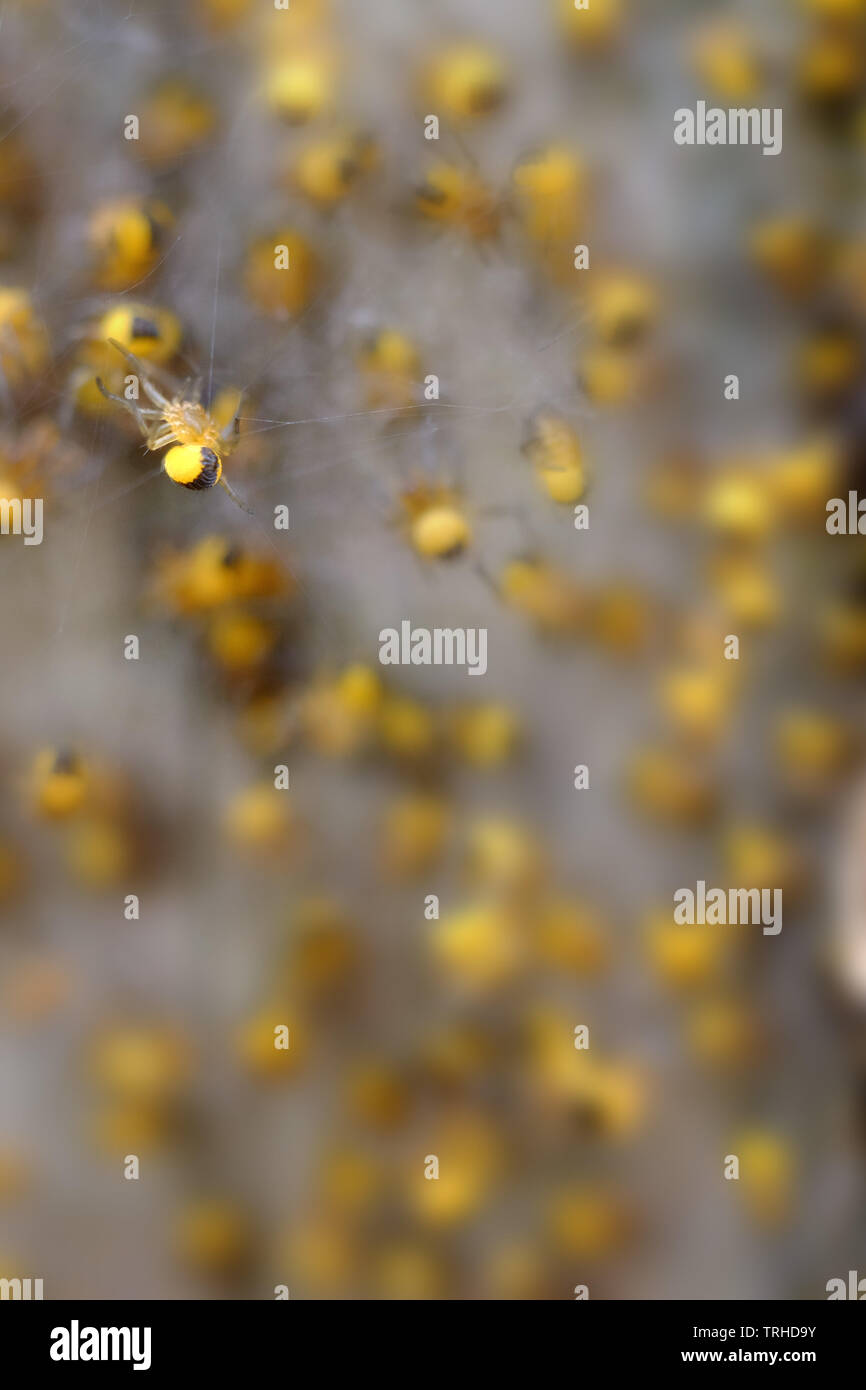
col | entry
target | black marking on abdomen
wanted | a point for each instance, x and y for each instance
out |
(144, 328)
(210, 469)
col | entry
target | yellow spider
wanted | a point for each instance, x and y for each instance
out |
(196, 444)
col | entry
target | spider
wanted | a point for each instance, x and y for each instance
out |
(196, 445)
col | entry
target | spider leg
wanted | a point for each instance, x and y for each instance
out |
(153, 393)
(233, 495)
(130, 356)
(158, 438)
(110, 396)
(131, 406)
(143, 410)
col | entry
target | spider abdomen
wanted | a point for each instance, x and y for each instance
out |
(193, 465)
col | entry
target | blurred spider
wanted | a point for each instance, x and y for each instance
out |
(197, 444)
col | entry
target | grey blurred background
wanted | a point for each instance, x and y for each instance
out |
(505, 340)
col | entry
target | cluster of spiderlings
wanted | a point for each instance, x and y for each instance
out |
(400, 900)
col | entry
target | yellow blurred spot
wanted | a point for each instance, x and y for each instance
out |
(459, 198)
(301, 84)
(836, 9)
(610, 376)
(122, 1127)
(127, 236)
(607, 1095)
(843, 636)
(761, 857)
(281, 273)
(570, 936)
(213, 1236)
(215, 572)
(323, 952)
(593, 27)
(440, 532)
(408, 1272)
(767, 1174)
(351, 1182)
(60, 784)
(829, 363)
(685, 956)
(748, 593)
(587, 1222)
(621, 619)
(484, 735)
(391, 369)
(803, 478)
(14, 1176)
(406, 728)
(697, 700)
(222, 15)
(328, 168)
(320, 1253)
(831, 68)
(141, 1064)
(24, 348)
(458, 1053)
(240, 642)
(812, 748)
(99, 852)
(503, 855)
(724, 1033)
(670, 787)
(261, 818)
(517, 1272)
(549, 186)
(622, 306)
(470, 1158)
(175, 120)
(377, 1096)
(339, 717)
(261, 1044)
(738, 504)
(414, 830)
(791, 252)
(723, 56)
(479, 946)
(464, 80)
(673, 488)
(147, 330)
(556, 455)
(546, 595)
